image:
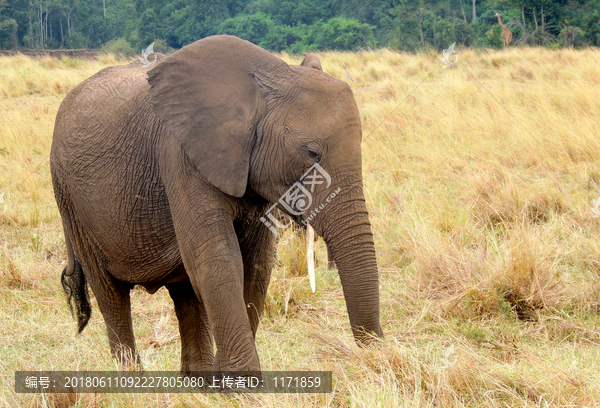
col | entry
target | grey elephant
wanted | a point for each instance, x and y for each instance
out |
(163, 174)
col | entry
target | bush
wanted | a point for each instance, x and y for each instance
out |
(339, 34)
(571, 36)
(162, 47)
(150, 27)
(119, 46)
(281, 38)
(253, 28)
(593, 31)
(8, 34)
(76, 41)
(494, 37)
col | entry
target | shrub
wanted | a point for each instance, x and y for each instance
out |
(571, 36)
(253, 28)
(8, 34)
(339, 34)
(119, 46)
(76, 40)
(281, 38)
(162, 47)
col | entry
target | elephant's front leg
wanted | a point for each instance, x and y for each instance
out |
(212, 259)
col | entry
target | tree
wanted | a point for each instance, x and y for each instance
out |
(8, 34)
(8, 29)
(339, 34)
(298, 25)
(253, 28)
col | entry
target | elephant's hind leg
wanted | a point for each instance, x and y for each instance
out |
(194, 328)
(330, 261)
(257, 245)
(115, 304)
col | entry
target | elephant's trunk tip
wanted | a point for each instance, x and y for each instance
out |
(78, 298)
(366, 338)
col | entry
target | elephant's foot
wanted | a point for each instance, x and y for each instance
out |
(241, 364)
(127, 358)
(189, 366)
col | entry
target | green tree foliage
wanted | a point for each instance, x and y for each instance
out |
(253, 27)
(298, 25)
(8, 34)
(119, 46)
(340, 34)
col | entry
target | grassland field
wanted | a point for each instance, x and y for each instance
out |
(481, 181)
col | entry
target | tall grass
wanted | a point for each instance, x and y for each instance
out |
(479, 179)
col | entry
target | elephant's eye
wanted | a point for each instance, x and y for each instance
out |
(314, 155)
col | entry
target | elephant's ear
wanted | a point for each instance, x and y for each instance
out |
(208, 95)
(311, 61)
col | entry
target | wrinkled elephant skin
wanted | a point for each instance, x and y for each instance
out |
(162, 175)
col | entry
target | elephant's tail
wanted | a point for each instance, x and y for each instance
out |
(75, 287)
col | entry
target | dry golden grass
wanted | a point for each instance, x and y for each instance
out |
(479, 179)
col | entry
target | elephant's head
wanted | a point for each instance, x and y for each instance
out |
(247, 120)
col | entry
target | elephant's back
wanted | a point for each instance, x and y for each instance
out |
(101, 117)
(112, 93)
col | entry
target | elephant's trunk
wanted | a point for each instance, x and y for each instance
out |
(345, 226)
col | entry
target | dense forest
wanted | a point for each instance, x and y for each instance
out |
(127, 26)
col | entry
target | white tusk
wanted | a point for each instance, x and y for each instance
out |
(310, 256)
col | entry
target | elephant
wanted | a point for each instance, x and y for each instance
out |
(164, 176)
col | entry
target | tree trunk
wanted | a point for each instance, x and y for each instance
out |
(420, 19)
(434, 30)
(46, 23)
(463, 11)
(30, 30)
(40, 16)
(474, 12)
(543, 22)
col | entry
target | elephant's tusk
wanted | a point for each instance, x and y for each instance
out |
(310, 256)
